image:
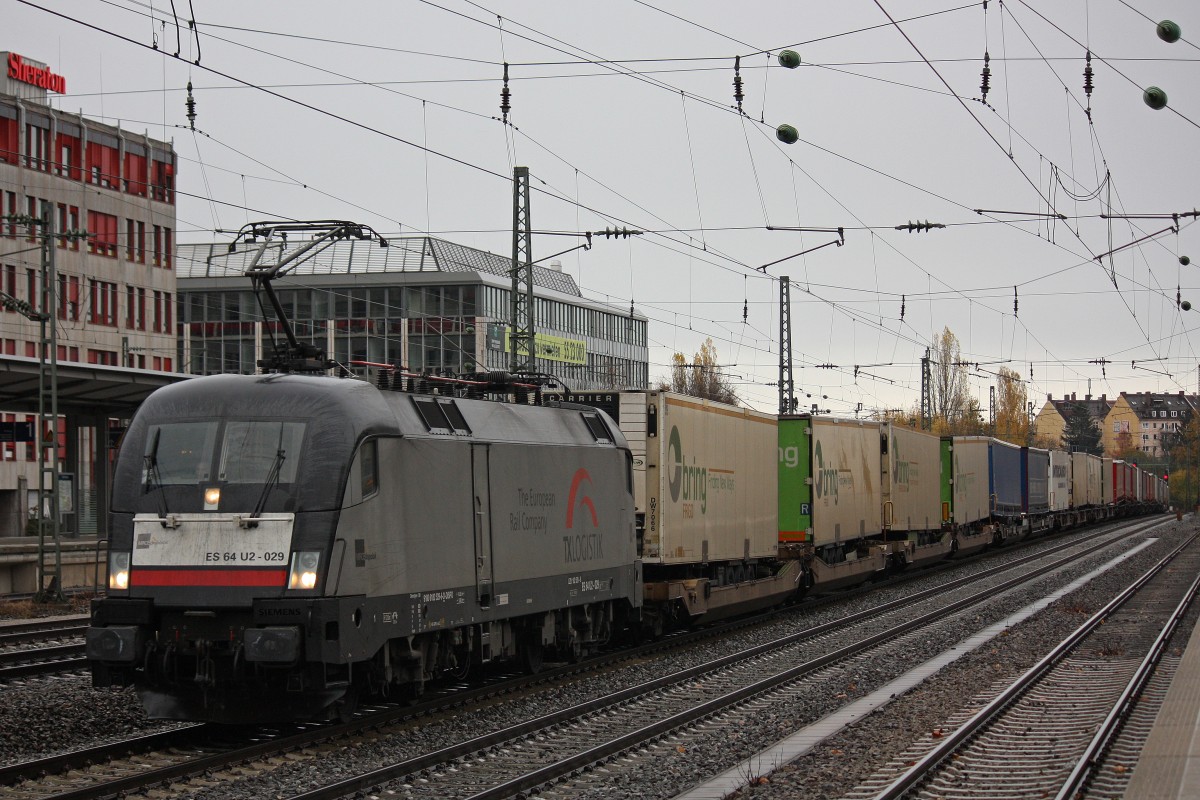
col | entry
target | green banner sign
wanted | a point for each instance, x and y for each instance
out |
(554, 348)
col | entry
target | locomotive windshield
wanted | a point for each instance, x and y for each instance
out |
(250, 451)
(184, 453)
(181, 451)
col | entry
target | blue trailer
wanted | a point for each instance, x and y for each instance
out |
(1005, 479)
(1035, 481)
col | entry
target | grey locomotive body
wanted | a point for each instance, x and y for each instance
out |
(281, 543)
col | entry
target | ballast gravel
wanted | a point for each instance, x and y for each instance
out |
(48, 716)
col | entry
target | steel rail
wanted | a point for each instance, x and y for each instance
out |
(925, 765)
(65, 762)
(1092, 756)
(564, 767)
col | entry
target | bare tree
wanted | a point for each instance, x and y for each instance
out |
(702, 377)
(951, 390)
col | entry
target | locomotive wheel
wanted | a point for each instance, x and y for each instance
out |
(344, 708)
(532, 655)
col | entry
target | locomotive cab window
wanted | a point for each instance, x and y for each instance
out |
(179, 453)
(368, 468)
(259, 451)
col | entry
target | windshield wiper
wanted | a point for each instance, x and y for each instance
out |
(272, 479)
(153, 479)
(272, 476)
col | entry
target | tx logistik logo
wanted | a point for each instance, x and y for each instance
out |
(581, 475)
(690, 483)
(827, 477)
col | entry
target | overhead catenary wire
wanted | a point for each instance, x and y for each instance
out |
(244, 204)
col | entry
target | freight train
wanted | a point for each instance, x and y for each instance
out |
(283, 544)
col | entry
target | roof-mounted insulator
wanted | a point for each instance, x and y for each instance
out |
(738, 94)
(985, 82)
(505, 96)
(1087, 83)
(191, 107)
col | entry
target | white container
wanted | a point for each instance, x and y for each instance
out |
(707, 479)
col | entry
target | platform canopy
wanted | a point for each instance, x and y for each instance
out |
(90, 388)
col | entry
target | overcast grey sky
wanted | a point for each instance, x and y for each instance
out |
(388, 114)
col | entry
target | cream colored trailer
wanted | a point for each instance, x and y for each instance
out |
(968, 478)
(708, 485)
(1060, 480)
(911, 500)
(1087, 485)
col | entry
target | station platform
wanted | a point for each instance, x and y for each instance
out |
(1169, 766)
(83, 563)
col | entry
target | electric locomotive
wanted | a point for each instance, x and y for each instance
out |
(281, 544)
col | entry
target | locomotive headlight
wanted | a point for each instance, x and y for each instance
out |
(118, 570)
(212, 497)
(303, 572)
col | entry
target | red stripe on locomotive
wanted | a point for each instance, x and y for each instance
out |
(142, 576)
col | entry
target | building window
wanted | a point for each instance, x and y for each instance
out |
(10, 229)
(107, 358)
(162, 312)
(37, 147)
(104, 304)
(31, 210)
(9, 140)
(102, 234)
(68, 297)
(135, 174)
(103, 163)
(73, 224)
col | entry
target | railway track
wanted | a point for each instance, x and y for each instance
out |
(64, 654)
(14, 633)
(1052, 731)
(201, 750)
(48, 660)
